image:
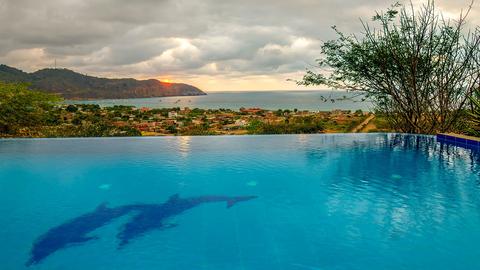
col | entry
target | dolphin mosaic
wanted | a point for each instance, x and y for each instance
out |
(154, 216)
(144, 218)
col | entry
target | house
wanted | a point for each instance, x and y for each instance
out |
(170, 122)
(172, 114)
(158, 116)
(142, 126)
(185, 111)
(241, 123)
(197, 121)
(119, 124)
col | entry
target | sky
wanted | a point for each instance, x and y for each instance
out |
(215, 45)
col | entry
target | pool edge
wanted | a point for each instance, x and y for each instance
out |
(459, 140)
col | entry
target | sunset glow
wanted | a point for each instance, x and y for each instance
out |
(219, 47)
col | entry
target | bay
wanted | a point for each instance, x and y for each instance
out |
(318, 100)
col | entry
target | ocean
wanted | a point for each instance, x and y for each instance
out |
(271, 100)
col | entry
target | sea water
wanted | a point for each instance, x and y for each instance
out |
(272, 100)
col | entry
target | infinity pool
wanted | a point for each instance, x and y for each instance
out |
(362, 201)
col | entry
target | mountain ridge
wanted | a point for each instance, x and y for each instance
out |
(73, 85)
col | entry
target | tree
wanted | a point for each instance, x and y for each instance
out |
(21, 107)
(71, 108)
(418, 68)
(473, 123)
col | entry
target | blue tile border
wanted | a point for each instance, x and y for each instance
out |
(458, 140)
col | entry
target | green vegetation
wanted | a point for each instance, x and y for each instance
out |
(22, 108)
(418, 68)
(343, 125)
(27, 113)
(296, 128)
(87, 130)
(300, 125)
(381, 124)
(472, 127)
(197, 131)
(73, 85)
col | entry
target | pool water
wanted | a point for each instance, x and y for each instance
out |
(353, 201)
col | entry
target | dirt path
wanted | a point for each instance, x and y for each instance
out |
(363, 124)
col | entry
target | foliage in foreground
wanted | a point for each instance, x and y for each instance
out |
(20, 107)
(86, 130)
(473, 125)
(418, 68)
(27, 113)
(259, 127)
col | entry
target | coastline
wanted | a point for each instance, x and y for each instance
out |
(91, 120)
(72, 100)
(312, 100)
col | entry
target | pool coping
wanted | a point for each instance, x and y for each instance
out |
(459, 140)
(4, 139)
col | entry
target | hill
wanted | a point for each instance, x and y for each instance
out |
(73, 85)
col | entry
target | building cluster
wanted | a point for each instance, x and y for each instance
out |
(186, 121)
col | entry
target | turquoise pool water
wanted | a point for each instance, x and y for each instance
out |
(362, 201)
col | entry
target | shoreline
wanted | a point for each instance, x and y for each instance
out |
(312, 100)
(92, 120)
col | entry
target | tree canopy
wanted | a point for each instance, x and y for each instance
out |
(416, 66)
(21, 107)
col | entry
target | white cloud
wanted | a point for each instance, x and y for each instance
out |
(263, 42)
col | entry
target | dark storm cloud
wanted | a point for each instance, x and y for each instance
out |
(153, 37)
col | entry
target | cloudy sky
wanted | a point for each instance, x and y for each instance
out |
(213, 44)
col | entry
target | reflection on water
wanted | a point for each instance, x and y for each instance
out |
(405, 184)
(343, 201)
(184, 146)
(302, 139)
